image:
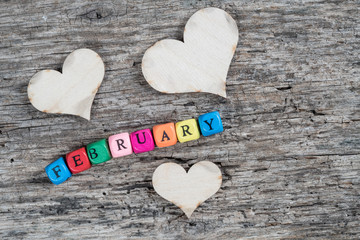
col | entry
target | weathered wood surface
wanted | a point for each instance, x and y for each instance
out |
(290, 152)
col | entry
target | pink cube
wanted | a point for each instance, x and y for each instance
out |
(120, 145)
(142, 141)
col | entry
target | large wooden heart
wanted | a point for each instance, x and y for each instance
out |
(187, 190)
(73, 90)
(201, 62)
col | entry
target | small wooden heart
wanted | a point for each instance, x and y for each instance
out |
(73, 90)
(187, 190)
(201, 62)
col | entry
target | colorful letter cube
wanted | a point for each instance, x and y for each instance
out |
(120, 145)
(57, 171)
(78, 161)
(187, 130)
(98, 152)
(165, 135)
(210, 123)
(142, 141)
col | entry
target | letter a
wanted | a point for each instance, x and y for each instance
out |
(165, 136)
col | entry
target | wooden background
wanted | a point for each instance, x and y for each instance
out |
(289, 154)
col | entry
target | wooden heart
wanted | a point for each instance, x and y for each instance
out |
(201, 62)
(187, 190)
(71, 92)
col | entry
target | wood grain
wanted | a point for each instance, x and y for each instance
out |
(289, 153)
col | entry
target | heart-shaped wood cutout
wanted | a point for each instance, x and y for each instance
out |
(187, 190)
(73, 90)
(201, 62)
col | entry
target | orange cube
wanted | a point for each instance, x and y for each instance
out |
(165, 135)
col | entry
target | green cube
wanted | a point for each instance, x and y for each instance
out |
(98, 152)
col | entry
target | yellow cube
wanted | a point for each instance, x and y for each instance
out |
(187, 130)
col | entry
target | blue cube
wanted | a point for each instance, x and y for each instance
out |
(57, 171)
(210, 123)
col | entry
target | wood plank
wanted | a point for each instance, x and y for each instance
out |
(289, 153)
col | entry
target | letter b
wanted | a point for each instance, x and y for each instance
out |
(92, 153)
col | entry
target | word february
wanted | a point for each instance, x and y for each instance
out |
(123, 144)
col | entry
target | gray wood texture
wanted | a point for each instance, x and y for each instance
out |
(289, 153)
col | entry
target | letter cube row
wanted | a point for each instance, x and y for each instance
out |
(123, 144)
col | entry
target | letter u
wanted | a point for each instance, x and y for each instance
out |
(138, 139)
